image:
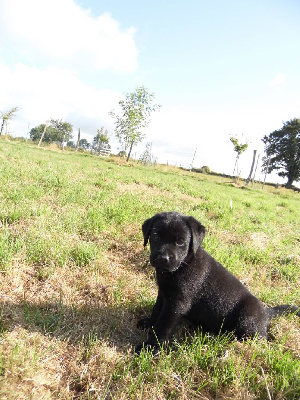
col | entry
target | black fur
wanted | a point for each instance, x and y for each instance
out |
(192, 284)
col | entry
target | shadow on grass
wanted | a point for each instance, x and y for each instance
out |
(75, 324)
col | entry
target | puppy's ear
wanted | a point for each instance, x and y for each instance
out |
(146, 228)
(197, 231)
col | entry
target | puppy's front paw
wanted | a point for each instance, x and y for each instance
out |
(138, 349)
(144, 323)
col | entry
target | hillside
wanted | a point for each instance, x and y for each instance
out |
(75, 279)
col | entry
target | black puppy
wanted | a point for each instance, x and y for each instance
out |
(192, 284)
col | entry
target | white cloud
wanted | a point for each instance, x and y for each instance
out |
(278, 80)
(47, 48)
(60, 29)
(53, 93)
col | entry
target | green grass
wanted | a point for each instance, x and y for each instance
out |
(75, 278)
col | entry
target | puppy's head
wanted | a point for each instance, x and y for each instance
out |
(173, 237)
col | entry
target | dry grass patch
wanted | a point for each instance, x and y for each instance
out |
(69, 330)
(34, 366)
(151, 191)
(259, 239)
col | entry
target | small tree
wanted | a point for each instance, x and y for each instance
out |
(239, 148)
(100, 139)
(147, 157)
(135, 115)
(282, 148)
(6, 116)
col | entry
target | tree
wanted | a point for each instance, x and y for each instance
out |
(100, 139)
(84, 144)
(135, 115)
(239, 148)
(6, 116)
(71, 144)
(282, 149)
(57, 131)
(64, 130)
(37, 131)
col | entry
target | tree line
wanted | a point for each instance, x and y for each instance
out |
(61, 133)
(282, 146)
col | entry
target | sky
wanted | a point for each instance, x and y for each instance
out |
(217, 68)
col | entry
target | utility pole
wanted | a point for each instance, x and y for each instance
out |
(78, 140)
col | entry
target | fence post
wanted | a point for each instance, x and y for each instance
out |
(252, 166)
(266, 173)
(255, 169)
(43, 134)
(193, 159)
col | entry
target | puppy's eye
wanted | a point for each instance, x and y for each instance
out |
(180, 242)
(155, 236)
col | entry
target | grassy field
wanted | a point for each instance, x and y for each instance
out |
(75, 279)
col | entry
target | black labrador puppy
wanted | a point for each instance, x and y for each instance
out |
(192, 284)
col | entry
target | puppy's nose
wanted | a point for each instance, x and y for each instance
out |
(163, 258)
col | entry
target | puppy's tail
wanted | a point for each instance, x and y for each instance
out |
(283, 309)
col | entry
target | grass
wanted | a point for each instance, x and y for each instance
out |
(75, 278)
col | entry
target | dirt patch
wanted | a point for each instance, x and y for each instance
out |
(259, 240)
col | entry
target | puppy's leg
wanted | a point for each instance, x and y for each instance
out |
(252, 319)
(168, 319)
(165, 325)
(149, 322)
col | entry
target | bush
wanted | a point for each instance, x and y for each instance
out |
(203, 170)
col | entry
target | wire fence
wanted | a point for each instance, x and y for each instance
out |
(193, 158)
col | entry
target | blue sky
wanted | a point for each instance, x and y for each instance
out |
(218, 68)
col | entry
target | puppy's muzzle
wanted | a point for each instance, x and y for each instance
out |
(163, 261)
